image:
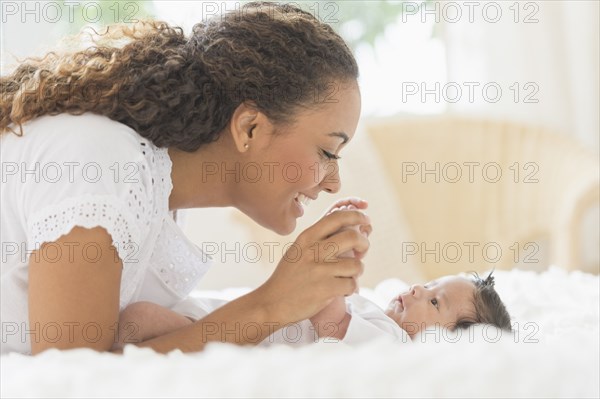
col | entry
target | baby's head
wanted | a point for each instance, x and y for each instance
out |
(451, 302)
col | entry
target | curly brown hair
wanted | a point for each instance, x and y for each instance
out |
(181, 92)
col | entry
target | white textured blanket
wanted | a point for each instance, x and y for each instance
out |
(554, 352)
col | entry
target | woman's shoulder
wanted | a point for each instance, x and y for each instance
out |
(88, 119)
(86, 128)
(77, 138)
(74, 160)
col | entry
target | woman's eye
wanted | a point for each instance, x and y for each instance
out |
(329, 155)
(435, 303)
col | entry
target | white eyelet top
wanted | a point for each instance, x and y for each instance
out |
(90, 171)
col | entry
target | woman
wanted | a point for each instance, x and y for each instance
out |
(110, 141)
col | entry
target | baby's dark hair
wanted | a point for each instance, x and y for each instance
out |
(489, 308)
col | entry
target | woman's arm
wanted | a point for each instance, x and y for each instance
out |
(242, 321)
(303, 283)
(142, 321)
(74, 303)
(74, 300)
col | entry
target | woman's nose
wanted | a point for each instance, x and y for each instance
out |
(331, 182)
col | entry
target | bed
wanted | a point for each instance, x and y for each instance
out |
(553, 352)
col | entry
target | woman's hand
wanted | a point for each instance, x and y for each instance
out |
(311, 273)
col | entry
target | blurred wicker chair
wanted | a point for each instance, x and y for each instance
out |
(469, 188)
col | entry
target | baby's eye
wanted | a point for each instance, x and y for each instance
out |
(435, 303)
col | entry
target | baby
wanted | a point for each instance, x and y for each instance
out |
(449, 302)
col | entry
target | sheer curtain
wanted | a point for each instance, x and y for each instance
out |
(544, 57)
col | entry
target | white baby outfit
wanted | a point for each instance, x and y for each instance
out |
(368, 323)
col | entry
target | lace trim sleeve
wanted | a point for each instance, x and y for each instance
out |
(126, 226)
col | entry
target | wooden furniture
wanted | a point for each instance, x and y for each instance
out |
(478, 194)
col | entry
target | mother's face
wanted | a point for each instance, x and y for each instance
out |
(298, 161)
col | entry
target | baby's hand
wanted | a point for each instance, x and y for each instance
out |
(354, 201)
(364, 230)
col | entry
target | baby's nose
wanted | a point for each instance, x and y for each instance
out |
(415, 289)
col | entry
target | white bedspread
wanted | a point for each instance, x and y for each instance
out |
(554, 354)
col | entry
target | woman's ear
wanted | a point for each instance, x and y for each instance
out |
(247, 121)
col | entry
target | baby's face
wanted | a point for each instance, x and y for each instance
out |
(442, 301)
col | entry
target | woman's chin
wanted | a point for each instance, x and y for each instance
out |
(285, 229)
(282, 226)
